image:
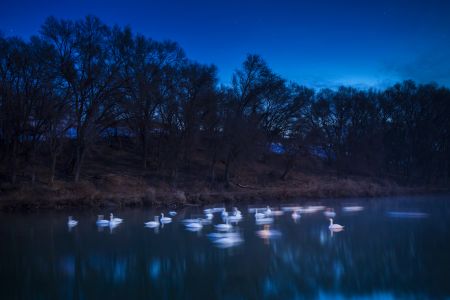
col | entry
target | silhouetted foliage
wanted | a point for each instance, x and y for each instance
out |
(81, 82)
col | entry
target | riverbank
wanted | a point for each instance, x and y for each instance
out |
(127, 191)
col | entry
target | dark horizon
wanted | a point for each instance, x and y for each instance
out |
(321, 45)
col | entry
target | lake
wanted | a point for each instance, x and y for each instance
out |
(397, 247)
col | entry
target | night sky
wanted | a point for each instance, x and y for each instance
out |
(317, 43)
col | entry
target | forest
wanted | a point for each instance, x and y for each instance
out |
(80, 86)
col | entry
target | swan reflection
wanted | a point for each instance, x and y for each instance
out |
(268, 233)
(225, 239)
(335, 230)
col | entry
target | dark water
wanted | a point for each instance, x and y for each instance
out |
(379, 255)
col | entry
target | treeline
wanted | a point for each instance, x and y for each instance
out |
(78, 83)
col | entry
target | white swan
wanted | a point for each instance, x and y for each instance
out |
(263, 221)
(259, 215)
(277, 213)
(189, 220)
(71, 222)
(268, 211)
(194, 226)
(295, 215)
(115, 220)
(290, 208)
(234, 218)
(236, 212)
(308, 210)
(329, 213)
(205, 221)
(316, 207)
(101, 221)
(353, 208)
(335, 226)
(152, 224)
(165, 219)
(223, 227)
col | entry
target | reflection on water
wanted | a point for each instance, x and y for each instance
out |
(379, 255)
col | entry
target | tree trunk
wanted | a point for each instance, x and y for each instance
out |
(33, 175)
(212, 170)
(14, 164)
(53, 169)
(227, 170)
(144, 159)
(144, 151)
(13, 170)
(79, 161)
(288, 167)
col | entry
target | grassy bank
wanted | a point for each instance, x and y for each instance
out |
(115, 178)
(126, 191)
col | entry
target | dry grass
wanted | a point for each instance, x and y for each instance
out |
(116, 178)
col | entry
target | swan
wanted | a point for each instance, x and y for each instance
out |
(277, 213)
(172, 213)
(295, 215)
(101, 221)
(262, 221)
(330, 213)
(335, 226)
(237, 215)
(153, 224)
(316, 207)
(223, 227)
(209, 216)
(233, 218)
(217, 209)
(259, 215)
(71, 222)
(237, 212)
(165, 219)
(353, 208)
(224, 214)
(195, 225)
(290, 208)
(268, 211)
(189, 220)
(308, 210)
(115, 220)
(204, 221)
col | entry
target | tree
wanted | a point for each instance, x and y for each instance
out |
(90, 74)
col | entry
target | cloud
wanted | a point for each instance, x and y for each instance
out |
(430, 67)
(362, 83)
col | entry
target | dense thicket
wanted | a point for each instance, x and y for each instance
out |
(78, 83)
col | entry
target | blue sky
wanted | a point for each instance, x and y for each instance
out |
(317, 43)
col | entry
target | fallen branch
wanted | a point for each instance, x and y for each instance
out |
(244, 186)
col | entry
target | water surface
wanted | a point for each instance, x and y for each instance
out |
(394, 248)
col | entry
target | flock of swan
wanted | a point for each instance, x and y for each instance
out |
(225, 234)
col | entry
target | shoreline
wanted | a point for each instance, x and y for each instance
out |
(75, 196)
